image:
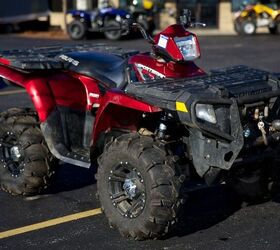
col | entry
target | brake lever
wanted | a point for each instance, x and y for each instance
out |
(143, 32)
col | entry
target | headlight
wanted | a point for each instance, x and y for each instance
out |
(205, 112)
(188, 47)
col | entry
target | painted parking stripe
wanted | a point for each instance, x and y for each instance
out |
(49, 223)
(12, 92)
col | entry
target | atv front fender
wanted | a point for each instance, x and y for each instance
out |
(118, 110)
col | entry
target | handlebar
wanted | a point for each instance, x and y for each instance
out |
(186, 22)
(125, 26)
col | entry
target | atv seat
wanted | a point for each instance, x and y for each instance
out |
(107, 68)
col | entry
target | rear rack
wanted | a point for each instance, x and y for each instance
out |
(48, 57)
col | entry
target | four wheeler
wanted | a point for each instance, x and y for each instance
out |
(143, 13)
(84, 22)
(155, 122)
(257, 15)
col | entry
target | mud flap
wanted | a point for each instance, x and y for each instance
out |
(59, 141)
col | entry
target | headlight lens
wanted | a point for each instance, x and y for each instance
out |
(188, 47)
(205, 112)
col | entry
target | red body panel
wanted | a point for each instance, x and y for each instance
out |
(118, 110)
(167, 69)
(115, 109)
(48, 91)
(68, 91)
(42, 97)
(55, 90)
(92, 91)
(4, 61)
(172, 32)
(112, 107)
(13, 75)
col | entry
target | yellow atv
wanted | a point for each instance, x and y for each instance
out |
(257, 15)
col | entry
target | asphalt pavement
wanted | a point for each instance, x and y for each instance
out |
(212, 218)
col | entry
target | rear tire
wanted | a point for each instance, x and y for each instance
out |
(26, 163)
(77, 30)
(275, 30)
(138, 187)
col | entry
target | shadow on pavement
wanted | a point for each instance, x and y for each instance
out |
(204, 209)
(69, 177)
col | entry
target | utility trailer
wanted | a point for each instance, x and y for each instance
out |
(15, 12)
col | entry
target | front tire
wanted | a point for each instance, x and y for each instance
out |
(275, 30)
(248, 27)
(114, 34)
(26, 163)
(138, 187)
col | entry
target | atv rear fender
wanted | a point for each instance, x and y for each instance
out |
(48, 91)
(74, 113)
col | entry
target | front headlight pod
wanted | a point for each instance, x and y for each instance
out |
(205, 112)
(188, 47)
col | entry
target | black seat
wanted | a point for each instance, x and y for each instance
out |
(107, 68)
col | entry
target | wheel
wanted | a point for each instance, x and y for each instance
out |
(138, 187)
(255, 183)
(248, 27)
(275, 30)
(114, 34)
(237, 27)
(26, 164)
(77, 30)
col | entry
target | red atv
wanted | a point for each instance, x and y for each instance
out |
(154, 121)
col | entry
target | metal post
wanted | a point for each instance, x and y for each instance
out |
(64, 9)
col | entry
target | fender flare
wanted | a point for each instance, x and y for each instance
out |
(118, 110)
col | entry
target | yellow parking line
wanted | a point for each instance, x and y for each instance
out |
(12, 92)
(49, 223)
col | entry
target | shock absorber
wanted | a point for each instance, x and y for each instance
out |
(162, 127)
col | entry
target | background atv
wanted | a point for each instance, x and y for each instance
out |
(143, 12)
(155, 121)
(84, 22)
(258, 15)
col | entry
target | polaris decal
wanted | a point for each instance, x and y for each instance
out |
(69, 59)
(144, 71)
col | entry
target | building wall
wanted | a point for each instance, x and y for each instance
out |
(166, 17)
(225, 17)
